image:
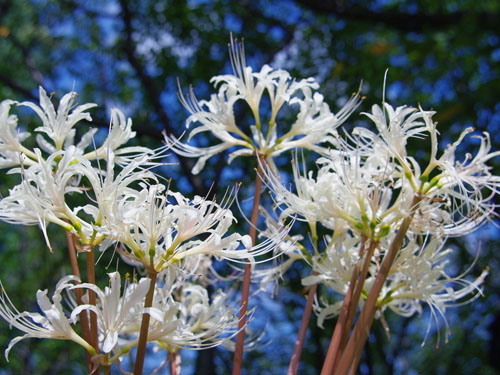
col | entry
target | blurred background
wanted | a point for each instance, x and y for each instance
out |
(442, 55)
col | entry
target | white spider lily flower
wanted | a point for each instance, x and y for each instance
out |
(115, 312)
(288, 251)
(395, 127)
(314, 124)
(40, 197)
(334, 267)
(11, 150)
(419, 276)
(53, 324)
(199, 215)
(350, 190)
(120, 132)
(227, 247)
(370, 186)
(210, 321)
(199, 322)
(111, 187)
(200, 269)
(304, 202)
(466, 188)
(59, 128)
(457, 197)
(137, 219)
(157, 232)
(58, 125)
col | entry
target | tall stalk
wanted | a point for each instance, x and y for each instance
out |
(354, 347)
(355, 299)
(349, 307)
(245, 289)
(143, 335)
(75, 270)
(361, 280)
(299, 343)
(93, 334)
(174, 359)
(340, 327)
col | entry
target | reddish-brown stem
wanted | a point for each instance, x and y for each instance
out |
(347, 311)
(361, 330)
(361, 281)
(93, 335)
(143, 336)
(174, 359)
(299, 343)
(356, 295)
(245, 289)
(355, 362)
(340, 327)
(75, 270)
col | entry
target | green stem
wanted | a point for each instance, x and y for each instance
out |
(106, 364)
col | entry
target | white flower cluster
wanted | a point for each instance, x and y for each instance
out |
(378, 216)
(365, 186)
(127, 209)
(183, 316)
(314, 123)
(54, 169)
(364, 190)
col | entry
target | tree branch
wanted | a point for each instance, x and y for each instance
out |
(407, 22)
(152, 93)
(36, 74)
(7, 81)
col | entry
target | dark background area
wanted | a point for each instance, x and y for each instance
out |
(442, 55)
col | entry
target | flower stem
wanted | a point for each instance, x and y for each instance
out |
(75, 270)
(93, 335)
(356, 295)
(143, 336)
(245, 289)
(348, 310)
(352, 352)
(340, 328)
(174, 358)
(299, 343)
